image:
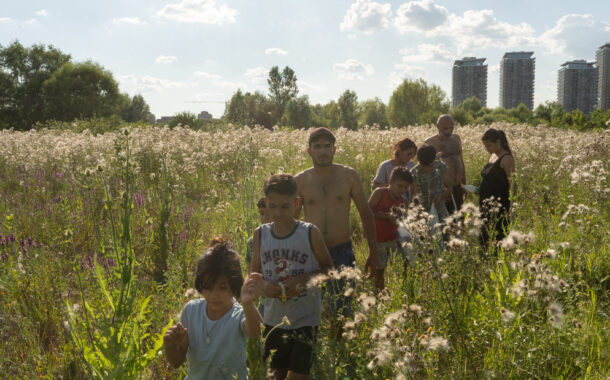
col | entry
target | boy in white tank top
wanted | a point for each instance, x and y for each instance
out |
(288, 253)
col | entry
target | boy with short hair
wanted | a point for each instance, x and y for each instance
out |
(382, 201)
(430, 187)
(288, 252)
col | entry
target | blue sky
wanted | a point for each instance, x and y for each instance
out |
(192, 55)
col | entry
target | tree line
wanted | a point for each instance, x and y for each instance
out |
(413, 102)
(41, 83)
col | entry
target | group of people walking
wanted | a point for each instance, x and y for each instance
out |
(286, 253)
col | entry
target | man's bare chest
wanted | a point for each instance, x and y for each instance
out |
(326, 193)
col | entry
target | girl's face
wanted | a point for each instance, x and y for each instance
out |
(398, 187)
(492, 147)
(406, 155)
(219, 297)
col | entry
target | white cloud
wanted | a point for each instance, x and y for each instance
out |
(218, 81)
(366, 16)
(492, 69)
(31, 21)
(128, 20)
(471, 31)
(310, 87)
(257, 75)
(198, 11)
(420, 16)
(277, 51)
(404, 71)
(571, 34)
(428, 53)
(353, 69)
(166, 59)
(43, 13)
(5, 19)
(148, 84)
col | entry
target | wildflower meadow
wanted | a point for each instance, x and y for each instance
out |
(100, 234)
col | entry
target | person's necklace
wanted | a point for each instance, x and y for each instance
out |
(208, 332)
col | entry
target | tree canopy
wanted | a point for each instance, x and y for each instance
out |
(40, 83)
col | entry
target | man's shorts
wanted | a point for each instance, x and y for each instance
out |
(385, 250)
(342, 256)
(293, 348)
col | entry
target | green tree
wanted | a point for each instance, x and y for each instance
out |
(22, 74)
(282, 86)
(298, 113)
(236, 110)
(136, 109)
(331, 115)
(186, 118)
(372, 112)
(260, 110)
(471, 105)
(521, 113)
(416, 102)
(81, 91)
(348, 109)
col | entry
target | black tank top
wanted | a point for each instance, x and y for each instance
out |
(495, 183)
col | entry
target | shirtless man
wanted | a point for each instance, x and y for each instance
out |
(326, 191)
(449, 147)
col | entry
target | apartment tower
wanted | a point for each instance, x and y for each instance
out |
(469, 79)
(577, 86)
(603, 74)
(517, 79)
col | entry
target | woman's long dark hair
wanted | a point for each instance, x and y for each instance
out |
(494, 135)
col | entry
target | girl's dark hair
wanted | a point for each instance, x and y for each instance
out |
(219, 260)
(403, 145)
(426, 154)
(401, 173)
(494, 135)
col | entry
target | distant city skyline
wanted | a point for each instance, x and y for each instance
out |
(192, 55)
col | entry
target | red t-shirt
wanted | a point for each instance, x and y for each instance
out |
(386, 230)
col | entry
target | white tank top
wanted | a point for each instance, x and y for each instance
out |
(285, 257)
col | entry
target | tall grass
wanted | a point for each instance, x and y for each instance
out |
(100, 235)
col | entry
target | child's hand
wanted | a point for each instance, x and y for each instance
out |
(294, 286)
(252, 288)
(176, 337)
(392, 219)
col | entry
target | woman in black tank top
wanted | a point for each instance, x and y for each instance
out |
(494, 191)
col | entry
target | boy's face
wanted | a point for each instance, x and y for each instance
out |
(398, 187)
(281, 207)
(263, 215)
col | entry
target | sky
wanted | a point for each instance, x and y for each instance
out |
(192, 55)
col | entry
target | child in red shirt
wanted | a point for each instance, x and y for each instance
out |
(382, 200)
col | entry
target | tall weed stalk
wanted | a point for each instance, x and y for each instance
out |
(112, 330)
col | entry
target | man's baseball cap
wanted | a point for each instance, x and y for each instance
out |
(320, 131)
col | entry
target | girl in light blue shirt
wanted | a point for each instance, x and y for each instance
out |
(213, 331)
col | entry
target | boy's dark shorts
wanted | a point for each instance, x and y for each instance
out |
(294, 348)
(342, 256)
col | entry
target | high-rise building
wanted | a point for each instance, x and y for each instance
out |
(469, 79)
(517, 79)
(577, 86)
(603, 74)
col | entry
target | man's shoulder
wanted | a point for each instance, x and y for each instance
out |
(432, 139)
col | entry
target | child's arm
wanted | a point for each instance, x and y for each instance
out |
(374, 201)
(270, 289)
(250, 291)
(296, 284)
(176, 343)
